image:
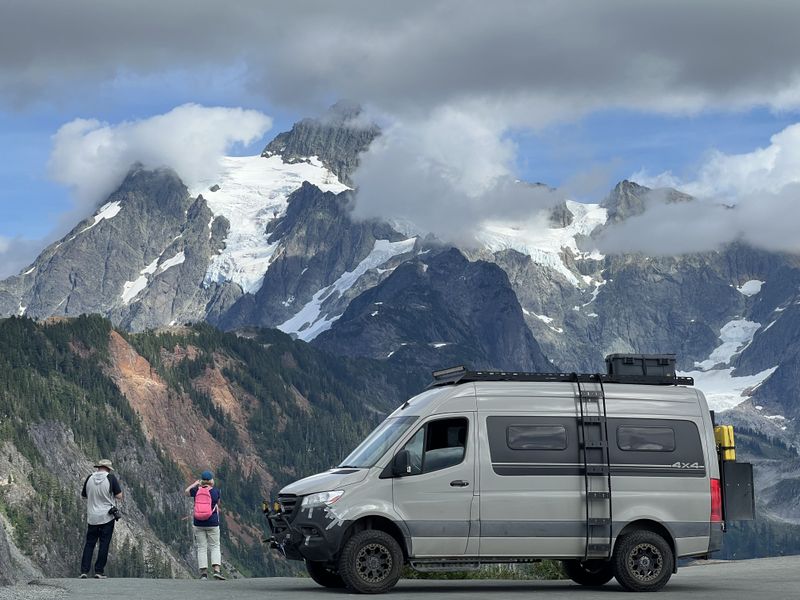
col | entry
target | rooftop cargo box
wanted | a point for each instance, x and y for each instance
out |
(641, 365)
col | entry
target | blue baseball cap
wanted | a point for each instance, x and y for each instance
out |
(207, 475)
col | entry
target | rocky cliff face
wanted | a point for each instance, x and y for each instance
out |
(140, 259)
(336, 138)
(317, 243)
(438, 310)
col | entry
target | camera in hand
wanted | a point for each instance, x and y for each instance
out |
(114, 512)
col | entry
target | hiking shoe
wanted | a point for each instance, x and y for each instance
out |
(100, 576)
(203, 577)
(218, 575)
(84, 576)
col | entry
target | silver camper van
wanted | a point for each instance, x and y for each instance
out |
(616, 475)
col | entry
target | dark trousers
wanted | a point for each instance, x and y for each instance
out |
(94, 533)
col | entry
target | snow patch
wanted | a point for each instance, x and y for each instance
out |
(29, 271)
(438, 344)
(751, 287)
(253, 192)
(176, 260)
(151, 268)
(21, 310)
(545, 244)
(724, 391)
(547, 320)
(107, 211)
(131, 289)
(736, 336)
(309, 322)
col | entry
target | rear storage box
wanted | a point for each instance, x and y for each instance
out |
(641, 365)
(738, 496)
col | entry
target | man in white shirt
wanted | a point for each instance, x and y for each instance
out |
(101, 490)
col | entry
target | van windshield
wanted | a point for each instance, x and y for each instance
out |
(378, 442)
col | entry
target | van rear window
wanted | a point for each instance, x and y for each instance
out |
(645, 439)
(536, 437)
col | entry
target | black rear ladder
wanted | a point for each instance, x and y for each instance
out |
(596, 458)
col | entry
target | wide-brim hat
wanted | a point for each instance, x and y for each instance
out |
(104, 463)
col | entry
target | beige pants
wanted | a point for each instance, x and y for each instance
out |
(207, 539)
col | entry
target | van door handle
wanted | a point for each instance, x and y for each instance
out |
(459, 483)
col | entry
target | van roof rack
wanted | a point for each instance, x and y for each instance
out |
(461, 374)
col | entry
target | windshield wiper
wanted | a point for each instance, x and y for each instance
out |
(349, 467)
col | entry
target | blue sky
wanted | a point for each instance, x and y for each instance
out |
(623, 143)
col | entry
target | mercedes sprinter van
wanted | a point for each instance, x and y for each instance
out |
(617, 475)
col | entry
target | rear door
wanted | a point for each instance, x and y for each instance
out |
(435, 499)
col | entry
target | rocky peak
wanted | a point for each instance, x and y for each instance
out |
(629, 199)
(625, 200)
(336, 138)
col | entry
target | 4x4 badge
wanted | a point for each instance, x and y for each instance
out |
(685, 465)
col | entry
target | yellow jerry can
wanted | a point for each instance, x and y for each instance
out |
(723, 434)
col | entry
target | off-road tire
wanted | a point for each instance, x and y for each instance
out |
(371, 562)
(589, 572)
(643, 561)
(324, 574)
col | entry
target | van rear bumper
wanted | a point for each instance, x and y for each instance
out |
(313, 534)
(715, 537)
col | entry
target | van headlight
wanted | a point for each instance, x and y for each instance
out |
(321, 498)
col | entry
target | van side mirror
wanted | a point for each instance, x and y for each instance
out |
(401, 464)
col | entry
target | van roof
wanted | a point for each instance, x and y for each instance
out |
(546, 396)
(460, 374)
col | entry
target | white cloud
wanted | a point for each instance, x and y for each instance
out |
(92, 157)
(753, 197)
(731, 176)
(446, 174)
(766, 220)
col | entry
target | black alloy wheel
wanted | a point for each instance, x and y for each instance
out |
(371, 562)
(643, 561)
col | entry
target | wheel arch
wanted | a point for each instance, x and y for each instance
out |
(655, 527)
(381, 523)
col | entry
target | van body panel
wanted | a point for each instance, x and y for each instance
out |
(419, 498)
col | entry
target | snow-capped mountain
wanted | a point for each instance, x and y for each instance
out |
(269, 242)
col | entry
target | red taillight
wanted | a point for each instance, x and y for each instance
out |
(716, 501)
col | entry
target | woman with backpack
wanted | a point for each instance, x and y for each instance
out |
(206, 523)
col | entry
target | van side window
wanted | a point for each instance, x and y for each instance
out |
(438, 445)
(536, 437)
(645, 439)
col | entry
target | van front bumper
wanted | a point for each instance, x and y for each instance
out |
(313, 534)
